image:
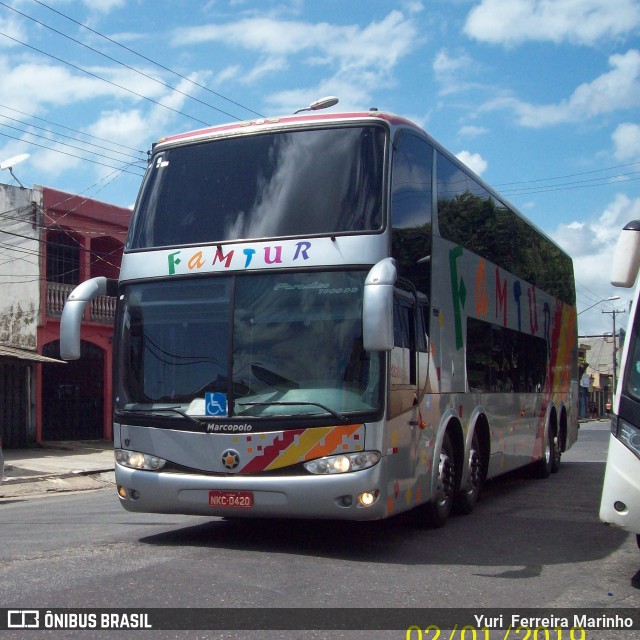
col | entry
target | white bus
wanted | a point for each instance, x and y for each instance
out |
(329, 316)
(620, 504)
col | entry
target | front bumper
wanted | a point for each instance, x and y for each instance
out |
(285, 496)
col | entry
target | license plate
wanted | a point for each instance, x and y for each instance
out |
(231, 499)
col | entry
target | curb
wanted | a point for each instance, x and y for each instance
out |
(55, 484)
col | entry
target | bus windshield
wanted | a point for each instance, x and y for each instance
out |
(274, 344)
(288, 183)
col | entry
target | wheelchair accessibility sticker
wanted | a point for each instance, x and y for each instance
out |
(215, 404)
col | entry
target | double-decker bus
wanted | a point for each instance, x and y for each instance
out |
(620, 502)
(329, 316)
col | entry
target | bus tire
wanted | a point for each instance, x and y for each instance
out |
(468, 496)
(437, 512)
(557, 456)
(543, 467)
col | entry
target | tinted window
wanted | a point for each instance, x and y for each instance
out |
(472, 218)
(411, 204)
(504, 360)
(295, 183)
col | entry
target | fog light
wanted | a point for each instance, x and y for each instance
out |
(620, 507)
(122, 492)
(368, 498)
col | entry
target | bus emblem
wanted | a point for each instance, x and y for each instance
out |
(231, 459)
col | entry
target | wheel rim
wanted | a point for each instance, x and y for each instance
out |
(547, 448)
(475, 471)
(446, 479)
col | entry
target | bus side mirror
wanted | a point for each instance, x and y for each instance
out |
(74, 311)
(626, 258)
(377, 306)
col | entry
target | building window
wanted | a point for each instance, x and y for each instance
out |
(63, 258)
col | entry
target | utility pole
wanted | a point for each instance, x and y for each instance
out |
(614, 313)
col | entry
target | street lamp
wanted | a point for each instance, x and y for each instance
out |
(323, 103)
(609, 299)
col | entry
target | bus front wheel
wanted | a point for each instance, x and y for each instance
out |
(437, 512)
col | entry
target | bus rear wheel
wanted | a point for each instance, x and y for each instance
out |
(437, 512)
(544, 466)
(557, 455)
(469, 495)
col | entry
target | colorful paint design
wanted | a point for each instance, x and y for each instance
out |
(269, 451)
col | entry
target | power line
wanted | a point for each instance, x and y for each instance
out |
(62, 135)
(62, 126)
(580, 184)
(154, 62)
(66, 144)
(72, 155)
(570, 175)
(95, 75)
(142, 73)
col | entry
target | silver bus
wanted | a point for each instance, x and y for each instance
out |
(329, 316)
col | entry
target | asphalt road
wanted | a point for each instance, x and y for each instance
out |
(529, 543)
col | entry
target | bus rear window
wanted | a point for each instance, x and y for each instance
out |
(287, 183)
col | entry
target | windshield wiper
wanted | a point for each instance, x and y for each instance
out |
(303, 403)
(177, 410)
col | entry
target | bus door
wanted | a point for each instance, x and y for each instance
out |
(408, 368)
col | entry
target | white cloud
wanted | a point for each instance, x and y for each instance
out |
(452, 71)
(591, 245)
(13, 29)
(512, 22)
(28, 85)
(103, 6)
(472, 131)
(269, 65)
(360, 58)
(33, 88)
(474, 161)
(444, 64)
(617, 89)
(598, 235)
(626, 139)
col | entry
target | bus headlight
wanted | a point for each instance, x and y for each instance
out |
(630, 436)
(138, 460)
(343, 463)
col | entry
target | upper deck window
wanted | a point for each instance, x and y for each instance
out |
(285, 183)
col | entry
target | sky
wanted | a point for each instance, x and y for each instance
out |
(541, 98)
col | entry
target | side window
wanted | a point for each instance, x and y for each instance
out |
(467, 214)
(473, 218)
(404, 331)
(401, 332)
(411, 205)
(422, 336)
(504, 360)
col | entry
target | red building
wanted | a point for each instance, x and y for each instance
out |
(80, 239)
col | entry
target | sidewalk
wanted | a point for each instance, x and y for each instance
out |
(56, 467)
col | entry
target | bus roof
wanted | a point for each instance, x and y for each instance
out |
(253, 126)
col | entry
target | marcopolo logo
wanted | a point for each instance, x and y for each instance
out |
(215, 427)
